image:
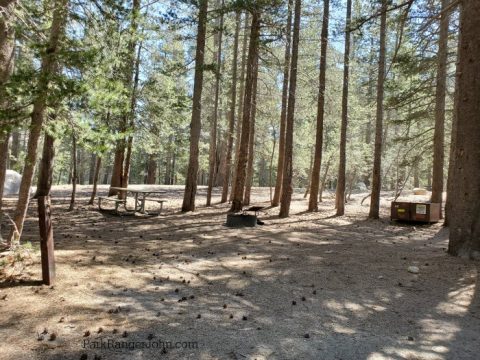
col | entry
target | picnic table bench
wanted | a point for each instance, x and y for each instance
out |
(140, 196)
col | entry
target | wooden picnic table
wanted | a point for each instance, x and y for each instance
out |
(140, 195)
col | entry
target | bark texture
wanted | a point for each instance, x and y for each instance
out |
(439, 132)
(287, 189)
(317, 161)
(340, 192)
(231, 114)
(213, 130)
(464, 187)
(237, 201)
(196, 123)
(377, 156)
(49, 60)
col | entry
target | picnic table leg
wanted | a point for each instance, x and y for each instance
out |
(142, 209)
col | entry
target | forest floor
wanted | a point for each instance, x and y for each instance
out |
(312, 286)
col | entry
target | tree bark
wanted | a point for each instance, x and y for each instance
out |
(98, 164)
(464, 187)
(49, 60)
(283, 113)
(45, 175)
(251, 141)
(340, 192)
(195, 126)
(439, 132)
(238, 192)
(238, 131)
(213, 130)
(123, 149)
(287, 189)
(151, 169)
(377, 161)
(4, 138)
(317, 163)
(231, 114)
(74, 173)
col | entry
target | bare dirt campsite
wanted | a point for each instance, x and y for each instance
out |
(311, 286)
(239, 179)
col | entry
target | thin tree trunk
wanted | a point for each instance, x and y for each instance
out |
(7, 56)
(213, 131)
(439, 132)
(238, 131)
(49, 60)
(251, 142)
(270, 172)
(377, 162)
(133, 104)
(310, 167)
(247, 106)
(98, 164)
(340, 193)
(151, 169)
(287, 188)
(453, 140)
(4, 138)
(464, 187)
(74, 173)
(231, 114)
(283, 113)
(195, 126)
(91, 171)
(313, 200)
(324, 179)
(121, 165)
(45, 175)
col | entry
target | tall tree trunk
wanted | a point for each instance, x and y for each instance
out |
(45, 175)
(7, 55)
(15, 149)
(247, 106)
(133, 105)
(251, 141)
(91, 170)
(74, 173)
(195, 126)
(49, 60)
(439, 132)
(151, 169)
(340, 193)
(121, 165)
(464, 187)
(453, 140)
(213, 130)
(283, 113)
(287, 188)
(324, 180)
(270, 171)
(238, 130)
(317, 163)
(4, 138)
(98, 164)
(231, 114)
(377, 160)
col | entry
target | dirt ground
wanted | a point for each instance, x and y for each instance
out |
(184, 286)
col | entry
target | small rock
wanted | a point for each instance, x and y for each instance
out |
(306, 336)
(413, 269)
(294, 302)
(244, 318)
